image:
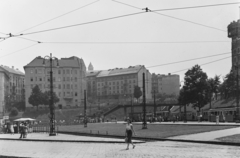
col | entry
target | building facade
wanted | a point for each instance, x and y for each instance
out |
(4, 90)
(69, 79)
(12, 88)
(120, 82)
(168, 84)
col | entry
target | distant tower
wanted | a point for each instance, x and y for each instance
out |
(90, 67)
(234, 33)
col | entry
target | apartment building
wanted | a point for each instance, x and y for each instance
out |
(69, 79)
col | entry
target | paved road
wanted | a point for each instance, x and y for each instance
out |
(98, 150)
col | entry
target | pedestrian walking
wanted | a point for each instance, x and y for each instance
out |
(128, 134)
(25, 130)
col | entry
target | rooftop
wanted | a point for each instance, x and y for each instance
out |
(120, 71)
(12, 70)
(63, 62)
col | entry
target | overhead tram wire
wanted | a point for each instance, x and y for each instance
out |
(126, 15)
(182, 8)
(163, 42)
(188, 60)
(155, 11)
(19, 50)
(204, 64)
(58, 16)
(85, 23)
(173, 63)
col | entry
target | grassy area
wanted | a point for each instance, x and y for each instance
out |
(232, 138)
(153, 131)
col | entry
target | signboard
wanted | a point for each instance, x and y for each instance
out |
(5, 117)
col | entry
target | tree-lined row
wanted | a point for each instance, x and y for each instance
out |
(199, 90)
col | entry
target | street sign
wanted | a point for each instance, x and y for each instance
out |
(5, 117)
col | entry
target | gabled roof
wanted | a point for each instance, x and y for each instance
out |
(63, 62)
(120, 71)
(11, 70)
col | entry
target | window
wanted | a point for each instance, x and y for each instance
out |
(59, 86)
(59, 71)
(59, 94)
(39, 71)
(59, 78)
(76, 86)
(75, 71)
(63, 78)
(53, 79)
(68, 86)
(35, 71)
(67, 72)
(40, 78)
(31, 79)
(63, 86)
(71, 86)
(31, 71)
(63, 71)
(68, 78)
(75, 79)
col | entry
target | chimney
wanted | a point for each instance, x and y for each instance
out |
(169, 74)
(12, 67)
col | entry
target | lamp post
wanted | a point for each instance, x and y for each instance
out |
(144, 124)
(51, 106)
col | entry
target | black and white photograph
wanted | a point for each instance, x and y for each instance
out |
(119, 78)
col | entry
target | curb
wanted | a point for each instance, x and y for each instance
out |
(68, 141)
(154, 139)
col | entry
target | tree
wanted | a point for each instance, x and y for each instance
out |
(36, 97)
(228, 88)
(47, 96)
(14, 112)
(137, 92)
(213, 86)
(195, 87)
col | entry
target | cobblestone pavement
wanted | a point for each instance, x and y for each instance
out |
(98, 150)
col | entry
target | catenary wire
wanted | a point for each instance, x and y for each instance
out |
(155, 11)
(204, 64)
(148, 67)
(189, 60)
(79, 24)
(58, 17)
(121, 17)
(19, 50)
(161, 42)
(182, 8)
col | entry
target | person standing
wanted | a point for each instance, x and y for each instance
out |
(21, 130)
(11, 128)
(128, 134)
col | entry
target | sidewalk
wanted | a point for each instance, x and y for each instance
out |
(208, 136)
(63, 138)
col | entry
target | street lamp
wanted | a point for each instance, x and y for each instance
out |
(51, 106)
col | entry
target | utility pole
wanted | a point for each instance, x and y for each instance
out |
(155, 106)
(144, 124)
(51, 106)
(85, 109)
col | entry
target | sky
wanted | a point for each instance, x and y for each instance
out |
(147, 38)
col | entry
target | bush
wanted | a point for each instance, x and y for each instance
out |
(14, 112)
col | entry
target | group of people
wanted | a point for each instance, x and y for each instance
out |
(23, 129)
